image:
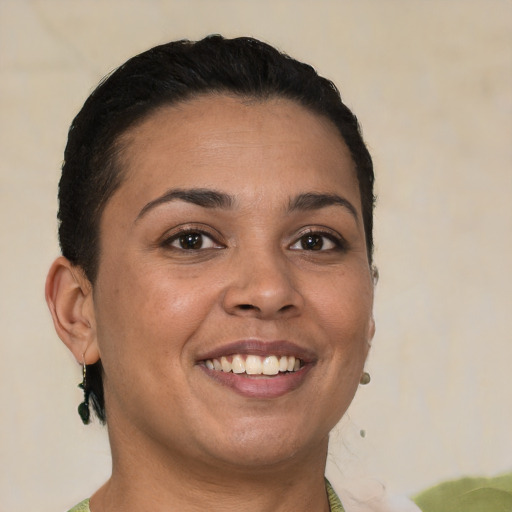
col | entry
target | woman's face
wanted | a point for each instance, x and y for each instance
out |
(235, 242)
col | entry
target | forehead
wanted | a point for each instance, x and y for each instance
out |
(221, 141)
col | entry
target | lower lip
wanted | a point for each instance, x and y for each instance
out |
(259, 386)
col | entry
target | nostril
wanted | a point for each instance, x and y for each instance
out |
(246, 306)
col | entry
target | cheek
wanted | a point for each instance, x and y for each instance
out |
(345, 302)
(146, 311)
(144, 320)
(344, 311)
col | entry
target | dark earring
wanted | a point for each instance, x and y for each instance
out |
(365, 378)
(83, 408)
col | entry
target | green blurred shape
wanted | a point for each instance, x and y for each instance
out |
(469, 495)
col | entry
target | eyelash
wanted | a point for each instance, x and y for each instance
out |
(337, 241)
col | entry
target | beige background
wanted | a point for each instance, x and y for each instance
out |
(431, 82)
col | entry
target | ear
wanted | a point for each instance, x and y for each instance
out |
(371, 331)
(371, 323)
(70, 299)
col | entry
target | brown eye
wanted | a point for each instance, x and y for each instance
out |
(317, 241)
(192, 241)
(312, 242)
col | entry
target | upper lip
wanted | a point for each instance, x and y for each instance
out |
(261, 348)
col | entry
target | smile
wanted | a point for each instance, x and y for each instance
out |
(252, 364)
(258, 369)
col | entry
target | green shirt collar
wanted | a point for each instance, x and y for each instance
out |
(334, 502)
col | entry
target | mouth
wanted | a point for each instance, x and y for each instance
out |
(259, 369)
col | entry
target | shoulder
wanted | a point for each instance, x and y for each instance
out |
(81, 507)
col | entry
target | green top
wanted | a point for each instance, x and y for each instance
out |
(81, 507)
(334, 501)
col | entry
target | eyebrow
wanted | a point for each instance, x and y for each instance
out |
(316, 201)
(207, 198)
(203, 197)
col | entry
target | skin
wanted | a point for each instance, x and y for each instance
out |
(179, 436)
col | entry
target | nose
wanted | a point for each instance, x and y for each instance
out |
(262, 286)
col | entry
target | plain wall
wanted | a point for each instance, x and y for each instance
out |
(431, 83)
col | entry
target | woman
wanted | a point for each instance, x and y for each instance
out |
(216, 281)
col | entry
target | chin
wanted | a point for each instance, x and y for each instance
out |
(269, 447)
(261, 457)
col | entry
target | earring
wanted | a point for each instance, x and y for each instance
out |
(365, 378)
(83, 408)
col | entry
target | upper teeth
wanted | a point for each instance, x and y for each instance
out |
(255, 365)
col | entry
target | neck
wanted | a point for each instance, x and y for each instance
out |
(146, 476)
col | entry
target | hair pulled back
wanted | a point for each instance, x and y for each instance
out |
(165, 75)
